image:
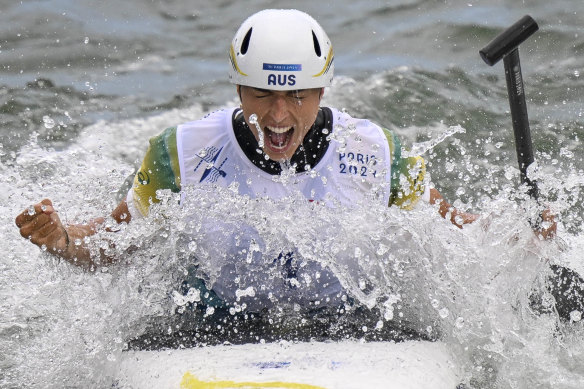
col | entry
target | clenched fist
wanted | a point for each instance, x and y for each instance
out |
(42, 226)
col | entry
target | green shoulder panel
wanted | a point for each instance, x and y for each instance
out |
(160, 170)
(407, 175)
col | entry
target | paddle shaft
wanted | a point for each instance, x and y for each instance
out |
(506, 46)
(518, 106)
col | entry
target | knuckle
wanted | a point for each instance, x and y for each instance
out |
(24, 233)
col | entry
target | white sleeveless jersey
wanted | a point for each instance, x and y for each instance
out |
(355, 167)
(357, 163)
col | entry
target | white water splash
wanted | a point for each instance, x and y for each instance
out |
(423, 147)
(467, 288)
(253, 119)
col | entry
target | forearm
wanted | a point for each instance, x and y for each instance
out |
(41, 225)
(77, 249)
(77, 240)
(448, 212)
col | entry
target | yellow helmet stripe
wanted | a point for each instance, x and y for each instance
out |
(234, 61)
(327, 64)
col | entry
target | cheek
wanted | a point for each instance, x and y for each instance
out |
(309, 117)
(257, 109)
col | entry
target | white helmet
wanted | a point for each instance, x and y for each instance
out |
(281, 50)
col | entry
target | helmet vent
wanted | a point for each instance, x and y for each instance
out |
(245, 43)
(316, 45)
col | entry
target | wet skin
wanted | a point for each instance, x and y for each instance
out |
(284, 116)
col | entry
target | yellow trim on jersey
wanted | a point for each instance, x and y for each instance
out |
(160, 170)
(407, 175)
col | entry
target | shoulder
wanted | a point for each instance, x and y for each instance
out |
(219, 118)
(365, 128)
(209, 120)
(165, 137)
(345, 119)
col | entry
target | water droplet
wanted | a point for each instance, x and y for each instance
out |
(575, 316)
(459, 323)
(48, 121)
(192, 246)
(565, 152)
(444, 313)
(86, 40)
(382, 249)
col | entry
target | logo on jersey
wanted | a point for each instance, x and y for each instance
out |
(143, 177)
(209, 157)
(358, 164)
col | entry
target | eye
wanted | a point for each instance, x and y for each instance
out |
(298, 95)
(260, 93)
(261, 96)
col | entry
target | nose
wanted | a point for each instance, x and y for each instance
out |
(279, 108)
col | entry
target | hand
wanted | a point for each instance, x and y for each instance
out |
(447, 211)
(42, 225)
(547, 227)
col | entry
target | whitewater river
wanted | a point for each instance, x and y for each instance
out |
(84, 85)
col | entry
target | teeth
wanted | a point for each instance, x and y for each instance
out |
(279, 130)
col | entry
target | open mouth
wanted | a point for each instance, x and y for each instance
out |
(278, 138)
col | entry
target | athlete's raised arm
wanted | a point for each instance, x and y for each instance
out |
(42, 226)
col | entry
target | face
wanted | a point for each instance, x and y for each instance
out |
(284, 116)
